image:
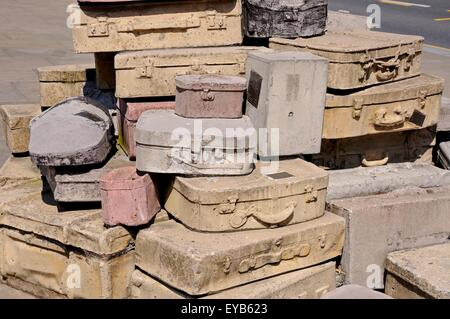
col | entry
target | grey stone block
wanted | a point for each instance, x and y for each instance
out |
(354, 292)
(363, 181)
(380, 224)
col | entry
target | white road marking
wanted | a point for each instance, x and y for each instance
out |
(405, 4)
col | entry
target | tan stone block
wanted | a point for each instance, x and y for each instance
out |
(308, 283)
(15, 122)
(202, 263)
(18, 169)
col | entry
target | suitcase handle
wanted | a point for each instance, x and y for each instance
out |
(240, 217)
(388, 120)
(206, 166)
(381, 162)
(207, 95)
(151, 24)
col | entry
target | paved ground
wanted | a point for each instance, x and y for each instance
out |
(428, 18)
(10, 293)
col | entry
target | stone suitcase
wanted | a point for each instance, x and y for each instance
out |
(361, 58)
(380, 224)
(128, 197)
(15, 121)
(171, 144)
(79, 131)
(128, 115)
(419, 273)
(80, 184)
(363, 181)
(376, 150)
(292, 194)
(210, 96)
(157, 25)
(105, 72)
(60, 82)
(152, 72)
(201, 263)
(284, 18)
(286, 94)
(410, 104)
(53, 254)
(309, 283)
(443, 155)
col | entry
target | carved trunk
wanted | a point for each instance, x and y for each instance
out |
(156, 25)
(200, 263)
(152, 72)
(410, 104)
(361, 58)
(291, 194)
(284, 18)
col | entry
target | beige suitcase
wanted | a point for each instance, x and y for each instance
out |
(60, 82)
(201, 263)
(157, 25)
(377, 150)
(69, 254)
(309, 283)
(292, 194)
(152, 72)
(361, 58)
(409, 104)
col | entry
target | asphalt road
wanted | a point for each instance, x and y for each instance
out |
(406, 19)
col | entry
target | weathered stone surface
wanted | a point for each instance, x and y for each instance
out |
(286, 19)
(354, 292)
(15, 122)
(286, 101)
(78, 131)
(18, 169)
(339, 21)
(81, 184)
(363, 181)
(419, 273)
(309, 283)
(60, 82)
(443, 155)
(444, 116)
(202, 263)
(171, 144)
(380, 224)
(292, 194)
(60, 269)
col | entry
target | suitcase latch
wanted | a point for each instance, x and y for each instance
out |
(311, 194)
(422, 99)
(215, 21)
(357, 108)
(100, 29)
(291, 16)
(145, 71)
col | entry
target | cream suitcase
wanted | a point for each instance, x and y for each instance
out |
(152, 72)
(377, 150)
(309, 283)
(292, 194)
(409, 104)
(157, 25)
(202, 263)
(361, 58)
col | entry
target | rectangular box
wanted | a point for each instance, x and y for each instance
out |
(152, 73)
(377, 150)
(286, 101)
(309, 283)
(380, 224)
(286, 19)
(201, 263)
(15, 122)
(156, 25)
(60, 82)
(292, 194)
(361, 58)
(409, 104)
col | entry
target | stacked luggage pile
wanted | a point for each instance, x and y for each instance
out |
(202, 152)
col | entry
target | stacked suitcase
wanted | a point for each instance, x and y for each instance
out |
(380, 109)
